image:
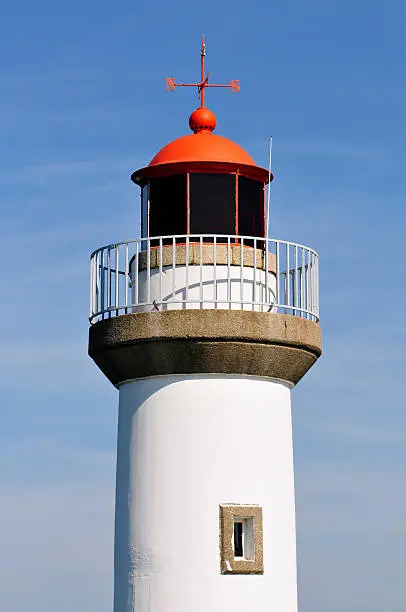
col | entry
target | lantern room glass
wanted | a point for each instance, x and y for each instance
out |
(203, 203)
(212, 203)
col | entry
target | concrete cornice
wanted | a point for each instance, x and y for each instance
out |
(204, 341)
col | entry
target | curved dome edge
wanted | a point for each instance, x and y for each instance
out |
(202, 147)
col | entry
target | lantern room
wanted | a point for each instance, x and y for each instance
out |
(202, 183)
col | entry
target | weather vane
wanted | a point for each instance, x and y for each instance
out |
(171, 83)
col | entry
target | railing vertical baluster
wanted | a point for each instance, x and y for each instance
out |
(201, 272)
(229, 272)
(117, 287)
(242, 274)
(302, 284)
(266, 297)
(215, 270)
(317, 288)
(312, 284)
(160, 273)
(187, 270)
(296, 285)
(254, 294)
(126, 279)
(102, 283)
(288, 276)
(96, 306)
(149, 271)
(173, 268)
(92, 291)
(109, 281)
(136, 293)
(278, 293)
(307, 282)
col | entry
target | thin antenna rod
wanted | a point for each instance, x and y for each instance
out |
(268, 204)
(203, 71)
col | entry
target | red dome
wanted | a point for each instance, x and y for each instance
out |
(202, 147)
(202, 152)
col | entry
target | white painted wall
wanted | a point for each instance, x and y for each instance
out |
(187, 444)
(246, 285)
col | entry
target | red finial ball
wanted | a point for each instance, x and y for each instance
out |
(202, 120)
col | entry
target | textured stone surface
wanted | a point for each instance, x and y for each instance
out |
(204, 341)
(205, 256)
(228, 563)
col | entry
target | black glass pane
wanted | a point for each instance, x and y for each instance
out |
(238, 546)
(144, 210)
(167, 205)
(250, 207)
(212, 203)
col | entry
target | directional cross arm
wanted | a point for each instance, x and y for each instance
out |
(171, 83)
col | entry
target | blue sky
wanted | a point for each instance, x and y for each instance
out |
(82, 105)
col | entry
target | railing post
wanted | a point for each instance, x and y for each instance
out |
(266, 297)
(229, 272)
(117, 287)
(278, 301)
(187, 272)
(92, 292)
(254, 297)
(242, 274)
(215, 270)
(102, 284)
(173, 268)
(296, 286)
(136, 293)
(201, 272)
(126, 278)
(288, 276)
(149, 271)
(160, 273)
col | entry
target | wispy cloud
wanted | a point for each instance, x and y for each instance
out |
(61, 535)
(48, 172)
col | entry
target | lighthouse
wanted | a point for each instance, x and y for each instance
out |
(204, 324)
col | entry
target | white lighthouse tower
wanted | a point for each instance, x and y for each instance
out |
(204, 325)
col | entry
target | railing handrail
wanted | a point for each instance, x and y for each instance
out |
(178, 236)
(287, 285)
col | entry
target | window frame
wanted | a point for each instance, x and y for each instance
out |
(252, 515)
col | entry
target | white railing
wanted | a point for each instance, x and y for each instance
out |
(204, 271)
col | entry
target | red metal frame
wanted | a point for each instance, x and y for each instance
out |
(236, 218)
(188, 202)
(160, 170)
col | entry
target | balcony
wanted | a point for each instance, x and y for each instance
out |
(204, 272)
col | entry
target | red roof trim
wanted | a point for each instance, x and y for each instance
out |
(160, 170)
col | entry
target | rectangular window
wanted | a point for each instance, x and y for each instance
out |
(241, 540)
